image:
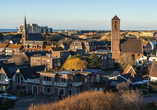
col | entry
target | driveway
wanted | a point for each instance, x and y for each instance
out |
(23, 103)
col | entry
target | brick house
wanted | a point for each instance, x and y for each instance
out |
(14, 49)
(52, 83)
(3, 48)
(27, 78)
(48, 60)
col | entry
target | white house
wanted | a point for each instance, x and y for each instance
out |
(140, 60)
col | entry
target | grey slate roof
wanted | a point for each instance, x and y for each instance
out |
(10, 70)
(35, 37)
(30, 72)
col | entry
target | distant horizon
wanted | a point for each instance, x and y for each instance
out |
(79, 14)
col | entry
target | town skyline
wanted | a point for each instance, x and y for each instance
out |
(84, 15)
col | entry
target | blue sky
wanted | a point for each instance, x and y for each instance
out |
(79, 14)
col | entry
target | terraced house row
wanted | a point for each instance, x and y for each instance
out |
(39, 80)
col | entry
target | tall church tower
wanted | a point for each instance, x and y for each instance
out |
(24, 32)
(115, 38)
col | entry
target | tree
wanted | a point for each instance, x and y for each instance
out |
(94, 61)
(75, 63)
(126, 59)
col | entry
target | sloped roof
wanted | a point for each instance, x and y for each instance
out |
(10, 71)
(57, 48)
(144, 43)
(115, 18)
(30, 72)
(129, 69)
(3, 45)
(153, 72)
(139, 56)
(15, 46)
(35, 37)
(131, 46)
(47, 47)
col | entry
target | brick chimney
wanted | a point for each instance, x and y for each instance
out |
(16, 43)
(81, 69)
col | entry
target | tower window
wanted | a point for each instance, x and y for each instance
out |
(115, 26)
(115, 22)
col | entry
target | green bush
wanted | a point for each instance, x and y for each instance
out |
(3, 107)
(10, 103)
(20, 93)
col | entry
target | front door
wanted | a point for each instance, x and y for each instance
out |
(35, 90)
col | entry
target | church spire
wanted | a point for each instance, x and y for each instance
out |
(24, 25)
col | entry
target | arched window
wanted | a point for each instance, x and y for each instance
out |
(115, 26)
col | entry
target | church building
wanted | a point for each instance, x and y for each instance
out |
(32, 41)
(132, 47)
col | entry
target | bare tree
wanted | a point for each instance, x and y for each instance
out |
(126, 59)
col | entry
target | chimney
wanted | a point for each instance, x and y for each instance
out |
(81, 69)
(52, 45)
(0, 43)
(16, 43)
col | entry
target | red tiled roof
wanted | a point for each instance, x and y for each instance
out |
(139, 56)
(127, 69)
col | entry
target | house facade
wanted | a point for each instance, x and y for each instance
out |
(54, 83)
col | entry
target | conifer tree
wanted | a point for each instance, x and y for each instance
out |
(94, 61)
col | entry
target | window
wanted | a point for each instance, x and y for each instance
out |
(61, 92)
(78, 90)
(48, 90)
(153, 59)
(115, 22)
(97, 78)
(62, 79)
(75, 79)
(115, 26)
(87, 78)
(92, 79)
(44, 90)
(46, 78)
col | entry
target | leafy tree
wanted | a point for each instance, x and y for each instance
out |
(75, 63)
(94, 61)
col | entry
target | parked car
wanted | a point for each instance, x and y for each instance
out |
(9, 96)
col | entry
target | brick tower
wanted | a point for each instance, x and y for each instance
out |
(115, 38)
(24, 32)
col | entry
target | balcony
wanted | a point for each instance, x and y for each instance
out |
(35, 81)
(60, 84)
(47, 83)
(20, 84)
(4, 82)
(77, 84)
